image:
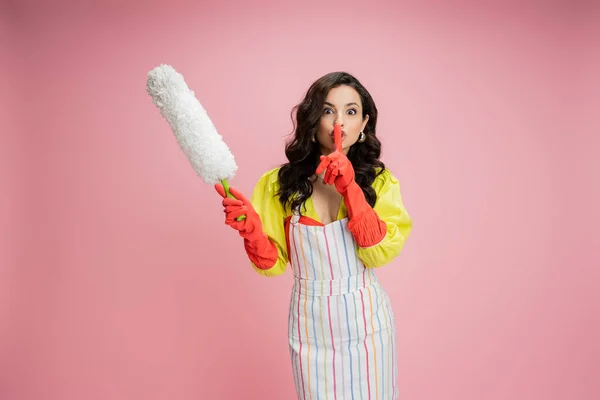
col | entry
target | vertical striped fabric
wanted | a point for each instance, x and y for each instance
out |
(341, 327)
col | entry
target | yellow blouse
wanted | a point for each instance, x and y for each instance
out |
(389, 207)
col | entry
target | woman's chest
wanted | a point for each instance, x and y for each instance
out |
(326, 203)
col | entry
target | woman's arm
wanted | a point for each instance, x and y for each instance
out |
(262, 229)
(272, 214)
(379, 231)
(397, 223)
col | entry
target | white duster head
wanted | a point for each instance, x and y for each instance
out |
(196, 134)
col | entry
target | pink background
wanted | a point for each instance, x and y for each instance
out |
(119, 280)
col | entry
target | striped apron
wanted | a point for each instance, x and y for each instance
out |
(341, 327)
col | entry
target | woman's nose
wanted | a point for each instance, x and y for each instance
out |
(339, 119)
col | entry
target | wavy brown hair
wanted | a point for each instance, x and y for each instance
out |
(304, 155)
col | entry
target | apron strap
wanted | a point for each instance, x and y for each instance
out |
(295, 215)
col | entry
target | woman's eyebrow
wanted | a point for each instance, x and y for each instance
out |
(347, 105)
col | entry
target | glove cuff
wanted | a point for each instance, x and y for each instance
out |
(263, 253)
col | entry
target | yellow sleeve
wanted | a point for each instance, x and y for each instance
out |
(272, 215)
(390, 209)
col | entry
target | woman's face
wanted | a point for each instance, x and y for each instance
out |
(342, 106)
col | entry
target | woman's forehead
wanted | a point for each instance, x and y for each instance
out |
(342, 96)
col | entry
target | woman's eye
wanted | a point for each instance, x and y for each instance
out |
(327, 111)
(352, 112)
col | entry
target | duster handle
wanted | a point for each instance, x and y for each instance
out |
(226, 187)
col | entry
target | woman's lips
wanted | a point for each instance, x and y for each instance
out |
(343, 135)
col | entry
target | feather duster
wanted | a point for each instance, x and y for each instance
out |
(195, 132)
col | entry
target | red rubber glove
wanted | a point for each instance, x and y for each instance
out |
(364, 223)
(261, 251)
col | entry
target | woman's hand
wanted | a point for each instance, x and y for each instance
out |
(364, 223)
(261, 251)
(338, 171)
(237, 207)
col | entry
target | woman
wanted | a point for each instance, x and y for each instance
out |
(334, 214)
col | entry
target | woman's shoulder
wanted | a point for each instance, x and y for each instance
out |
(384, 178)
(269, 180)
